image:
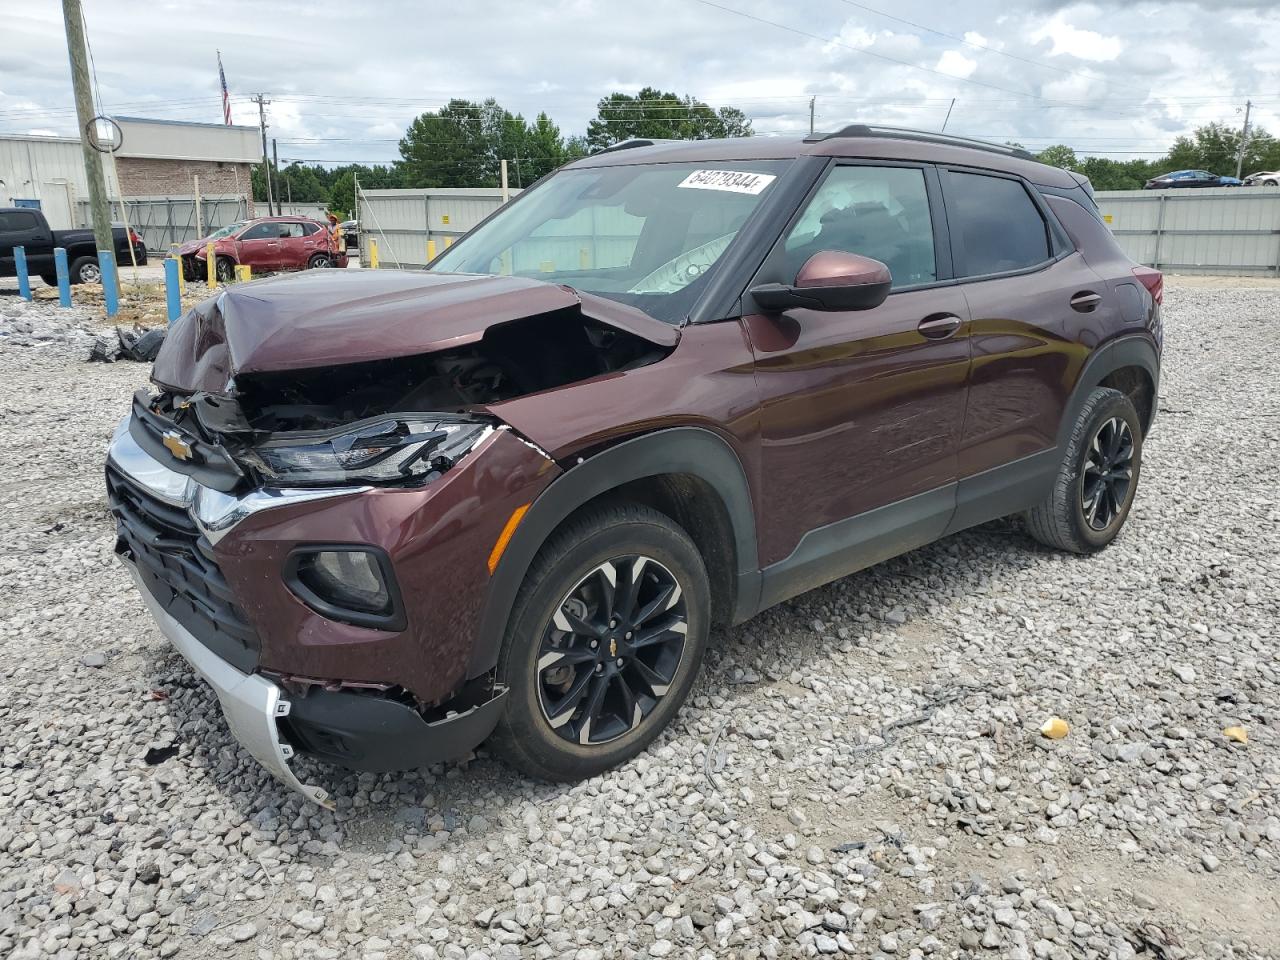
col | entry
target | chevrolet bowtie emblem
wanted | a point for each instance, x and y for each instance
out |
(176, 445)
(613, 648)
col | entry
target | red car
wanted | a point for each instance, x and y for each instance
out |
(265, 245)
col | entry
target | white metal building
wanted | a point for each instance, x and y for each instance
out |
(156, 158)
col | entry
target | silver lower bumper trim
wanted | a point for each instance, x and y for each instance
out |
(251, 704)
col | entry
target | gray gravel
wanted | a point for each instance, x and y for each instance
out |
(815, 827)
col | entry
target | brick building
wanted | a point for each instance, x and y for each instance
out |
(163, 158)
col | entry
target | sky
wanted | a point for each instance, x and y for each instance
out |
(1113, 77)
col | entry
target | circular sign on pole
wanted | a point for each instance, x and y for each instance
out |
(104, 134)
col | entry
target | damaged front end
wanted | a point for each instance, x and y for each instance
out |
(315, 535)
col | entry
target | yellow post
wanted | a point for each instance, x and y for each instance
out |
(244, 272)
(373, 253)
(431, 250)
(211, 263)
(182, 283)
(584, 259)
(448, 242)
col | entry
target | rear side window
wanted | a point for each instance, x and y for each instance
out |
(18, 221)
(309, 228)
(995, 225)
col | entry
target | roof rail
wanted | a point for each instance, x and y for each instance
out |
(629, 144)
(922, 136)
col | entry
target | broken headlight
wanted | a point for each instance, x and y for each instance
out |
(407, 449)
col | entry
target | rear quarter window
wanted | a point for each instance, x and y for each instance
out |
(995, 225)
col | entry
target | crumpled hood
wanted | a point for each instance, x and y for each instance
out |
(327, 317)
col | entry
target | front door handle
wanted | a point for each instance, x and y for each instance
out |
(939, 326)
(1085, 301)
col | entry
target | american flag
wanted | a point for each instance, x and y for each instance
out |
(226, 100)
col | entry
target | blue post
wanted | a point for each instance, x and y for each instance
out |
(64, 276)
(20, 264)
(110, 282)
(172, 293)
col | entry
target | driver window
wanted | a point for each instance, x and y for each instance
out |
(878, 212)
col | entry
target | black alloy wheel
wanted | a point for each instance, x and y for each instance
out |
(1097, 478)
(225, 269)
(612, 650)
(603, 644)
(1107, 474)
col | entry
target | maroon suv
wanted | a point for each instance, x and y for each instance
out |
(390, 515)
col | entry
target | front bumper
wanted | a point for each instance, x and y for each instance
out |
(251, 704)
(356, 728)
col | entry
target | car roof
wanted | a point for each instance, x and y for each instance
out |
(860, 141)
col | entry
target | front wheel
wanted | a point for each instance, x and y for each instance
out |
(225, 269)
(1097, 479)
(318, 262)
(604, 642)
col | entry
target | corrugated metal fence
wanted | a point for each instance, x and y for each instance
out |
(402, 221)
(162, 221)
(1223, 230)
(1229, 230)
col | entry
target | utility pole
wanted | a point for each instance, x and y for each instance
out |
(275, 162)
(812, 102)
(74, 20)
(1244, 138)
(260, 100)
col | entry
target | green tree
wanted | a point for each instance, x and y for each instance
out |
(341, 195)
(464, 143)
(1215, 147)
(1059, 155)
(656, 114)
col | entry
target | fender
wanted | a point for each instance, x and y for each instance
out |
(690, 450)
(1135, 350)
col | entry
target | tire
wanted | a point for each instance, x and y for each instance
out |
(225, 269)
(568, 571)
(85, 270)
(1271, 183)
(1083, 514)
(50, 278)
(319, 262)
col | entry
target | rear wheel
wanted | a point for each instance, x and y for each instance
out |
(604, 642)
(85, 270)
(50, 278)
(1097, 480)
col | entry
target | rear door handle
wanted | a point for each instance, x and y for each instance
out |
(939, 326)
(1085, 301)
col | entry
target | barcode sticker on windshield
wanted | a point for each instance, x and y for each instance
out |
(734, 181)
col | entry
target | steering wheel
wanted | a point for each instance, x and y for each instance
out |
(679, 272)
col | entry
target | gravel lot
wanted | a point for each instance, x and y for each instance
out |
(815, 825)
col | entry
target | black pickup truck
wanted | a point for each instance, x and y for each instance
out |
(24, 227)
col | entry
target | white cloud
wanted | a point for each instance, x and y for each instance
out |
(956, 64)
(1075, 42)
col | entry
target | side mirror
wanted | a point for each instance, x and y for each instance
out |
(830, 280)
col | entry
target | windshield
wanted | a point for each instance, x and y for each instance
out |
(646, 234)
(228, 230)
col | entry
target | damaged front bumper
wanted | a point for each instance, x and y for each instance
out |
(251, 704)
(163, 550)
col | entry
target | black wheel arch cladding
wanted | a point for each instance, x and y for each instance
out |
(678, 450)
(1130, 351)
